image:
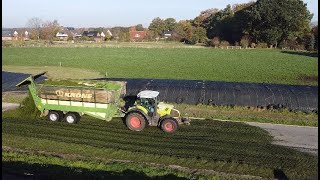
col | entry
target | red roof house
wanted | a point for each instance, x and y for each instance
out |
(136, 35)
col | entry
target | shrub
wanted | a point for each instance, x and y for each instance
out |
(224, 44)
(193, 40)
(262, 45)
(215, 42)
(283, 45)
(208, 42)
(85, 38)
(108, 37)
(253, 45)
(292, 43)
(309, 42)
(300, 47)
(244, 42)
(5, 44)
(70, 38)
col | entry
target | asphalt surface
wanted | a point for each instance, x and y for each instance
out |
(302, 138)
(9, 106)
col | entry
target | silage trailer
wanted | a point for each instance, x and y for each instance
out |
(84, 97)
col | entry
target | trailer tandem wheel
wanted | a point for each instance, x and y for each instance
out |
(55, 116)
(72, 117)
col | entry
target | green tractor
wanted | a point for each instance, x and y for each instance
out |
(148, 111)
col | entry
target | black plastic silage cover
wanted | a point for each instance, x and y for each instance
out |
(10, 79)
(293, 97)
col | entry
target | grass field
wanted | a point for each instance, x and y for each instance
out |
(268, 66)
(207, 149)
(115, 44)
(55, 72)
(224, 147)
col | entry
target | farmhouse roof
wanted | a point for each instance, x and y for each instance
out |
(7, 33)
(62, 34)
(70, 28)
(91, 33)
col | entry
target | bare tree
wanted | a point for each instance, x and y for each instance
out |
(35, 25)
(50, 29)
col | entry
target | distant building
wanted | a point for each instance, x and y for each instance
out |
(167, 34)
(76, 35)
(62, 36)
(95, 35)
(136, 35)
(102, 35)
(7, 35)
(26, 36)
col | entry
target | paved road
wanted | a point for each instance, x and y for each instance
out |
(9, 106)
(302, 138)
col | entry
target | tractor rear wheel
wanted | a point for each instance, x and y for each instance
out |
(135, 122)
(169, 125)
(72, 118)
(55, 116)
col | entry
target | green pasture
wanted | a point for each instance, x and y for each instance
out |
(252, 65)
(224, 147)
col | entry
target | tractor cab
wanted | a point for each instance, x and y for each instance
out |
(149, 100)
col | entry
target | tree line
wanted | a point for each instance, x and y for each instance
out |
(265, 23)
(261, 23)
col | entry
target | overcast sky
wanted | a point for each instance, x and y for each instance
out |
(109, 13)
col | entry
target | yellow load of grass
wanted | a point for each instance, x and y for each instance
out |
(82, 90)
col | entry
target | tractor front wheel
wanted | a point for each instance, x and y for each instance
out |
(169, 125)
(135, 122)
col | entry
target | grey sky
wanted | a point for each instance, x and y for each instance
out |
(107, 13)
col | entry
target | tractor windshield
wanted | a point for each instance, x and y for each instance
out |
(148, 103)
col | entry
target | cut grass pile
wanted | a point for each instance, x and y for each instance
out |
(258, 65)
(220, 146)
(109, 85)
